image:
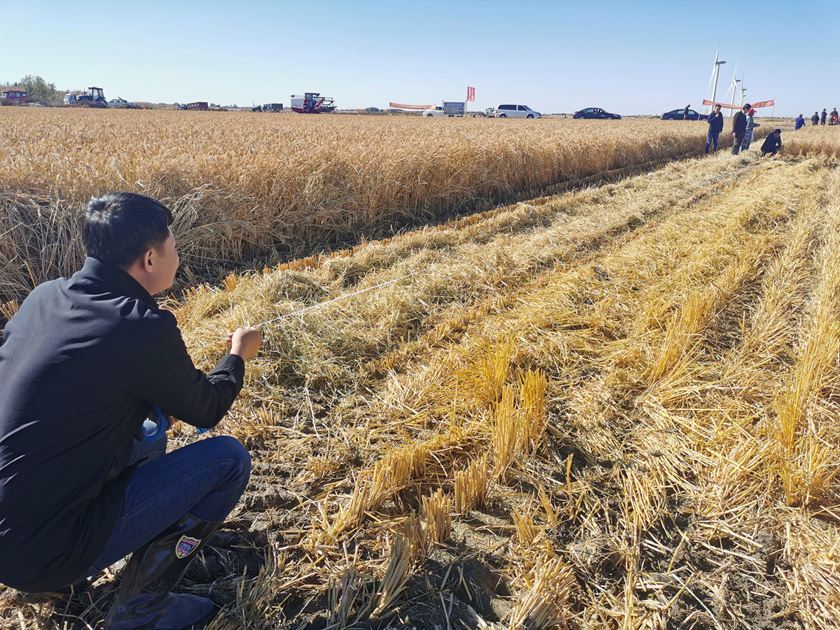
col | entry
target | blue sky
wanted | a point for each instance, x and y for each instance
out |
(628, 57)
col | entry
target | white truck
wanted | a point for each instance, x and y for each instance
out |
(450, 109)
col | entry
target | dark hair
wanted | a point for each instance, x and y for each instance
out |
(119, 227)
(747, 106)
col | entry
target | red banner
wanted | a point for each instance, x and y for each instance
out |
(755, 105)
(470, 93)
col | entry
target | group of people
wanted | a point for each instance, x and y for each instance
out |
(743, 127)
(819, 119)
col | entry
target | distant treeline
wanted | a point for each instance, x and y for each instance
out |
(38, 89)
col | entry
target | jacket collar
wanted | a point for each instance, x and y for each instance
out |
(115, 279)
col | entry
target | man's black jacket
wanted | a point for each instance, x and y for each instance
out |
(739, 124)
(81, 364)
(715, 122)
(772, 143)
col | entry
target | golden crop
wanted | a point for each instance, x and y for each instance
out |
(812, 141)
(252, 186)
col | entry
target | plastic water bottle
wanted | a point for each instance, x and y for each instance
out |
(155, 425)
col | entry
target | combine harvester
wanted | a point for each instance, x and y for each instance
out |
(94, 97)
(312, 103)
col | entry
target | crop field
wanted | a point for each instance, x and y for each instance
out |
(612, 406)
(249, 187)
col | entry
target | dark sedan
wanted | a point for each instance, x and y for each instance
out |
(596, 113)
(679, 114)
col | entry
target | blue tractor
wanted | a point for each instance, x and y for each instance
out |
(94, 97)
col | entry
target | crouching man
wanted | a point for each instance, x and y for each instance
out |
(84, 362)
(772, 143)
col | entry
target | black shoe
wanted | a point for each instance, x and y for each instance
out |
(144, 599)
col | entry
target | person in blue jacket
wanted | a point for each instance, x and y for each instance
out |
(799, 122)
(715, 127)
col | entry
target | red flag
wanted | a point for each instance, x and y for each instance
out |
(470, 93)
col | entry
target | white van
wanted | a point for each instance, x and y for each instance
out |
(515, 111)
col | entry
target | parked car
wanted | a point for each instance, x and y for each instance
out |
(679, 114)
(121, 103)
(437, 112)
(515, 111)
(596, 113)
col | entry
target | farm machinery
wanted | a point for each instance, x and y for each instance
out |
(94, 97)
(268, 107)
(312, 103)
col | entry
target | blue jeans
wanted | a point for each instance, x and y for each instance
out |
(205, 479)
(712, 138)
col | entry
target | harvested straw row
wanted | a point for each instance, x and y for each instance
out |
(748, 454)
(737, 436)
(621, 476)
(628, 603)
(507, 397)
(808, 449)
(721, 419)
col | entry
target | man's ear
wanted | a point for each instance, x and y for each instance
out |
(147, 260)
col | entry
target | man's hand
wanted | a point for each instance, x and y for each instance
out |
(245, 342)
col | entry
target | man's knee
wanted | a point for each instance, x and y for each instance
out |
(234, 455)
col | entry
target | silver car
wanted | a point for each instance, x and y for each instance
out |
(515, 111)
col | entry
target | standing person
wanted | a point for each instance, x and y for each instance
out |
(823, 116)
(739, 128)
(835, 118)
(715, 127)
(686, 111)
(748, 131)
(772, 143)
(82, 363)
(815, 119)
(799, 122)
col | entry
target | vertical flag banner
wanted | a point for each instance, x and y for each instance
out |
(470, 93)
